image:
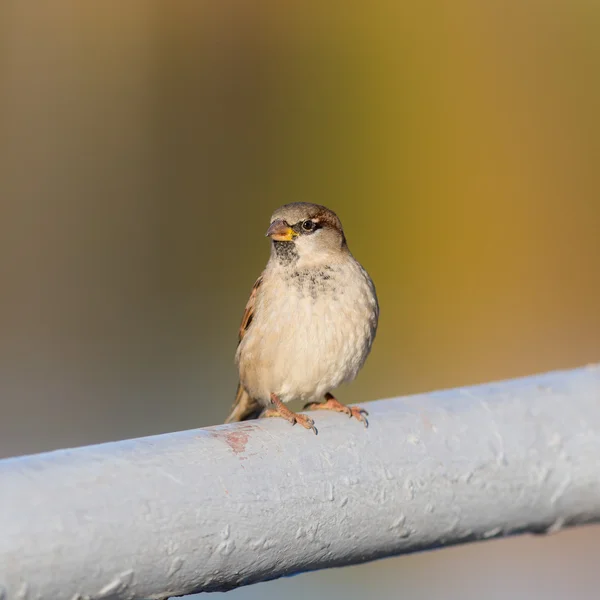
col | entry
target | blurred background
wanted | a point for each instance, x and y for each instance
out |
(144, 145)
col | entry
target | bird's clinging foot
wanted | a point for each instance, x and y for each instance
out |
(332, 404)
(284, 412)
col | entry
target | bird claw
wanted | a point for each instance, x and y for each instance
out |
(285, 413)
(331, 403)
(306, 422)
(360, 414)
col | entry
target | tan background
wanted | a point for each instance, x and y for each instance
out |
(143, 146)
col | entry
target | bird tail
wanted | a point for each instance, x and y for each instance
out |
(244, 407)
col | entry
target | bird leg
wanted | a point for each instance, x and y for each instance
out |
(332, 404)
(283, 411)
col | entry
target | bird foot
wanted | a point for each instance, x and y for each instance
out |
(284, 412)
(332, 404)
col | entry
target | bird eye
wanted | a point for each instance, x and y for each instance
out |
(308, 225)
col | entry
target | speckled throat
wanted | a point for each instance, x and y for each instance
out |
(286, 252)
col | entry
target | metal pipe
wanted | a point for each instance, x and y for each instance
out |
(212, 509)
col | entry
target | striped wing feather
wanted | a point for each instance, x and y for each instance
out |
(245, 407)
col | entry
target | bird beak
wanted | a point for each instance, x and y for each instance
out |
(280, 231)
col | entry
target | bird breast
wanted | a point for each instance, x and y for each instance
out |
(320, 326)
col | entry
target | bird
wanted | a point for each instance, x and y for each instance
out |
(309, 323)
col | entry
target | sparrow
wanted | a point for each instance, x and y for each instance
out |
(310, 321)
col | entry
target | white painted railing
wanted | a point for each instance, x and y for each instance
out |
(212, 509)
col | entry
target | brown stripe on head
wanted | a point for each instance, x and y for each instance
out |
(315, 232)
(296, 212)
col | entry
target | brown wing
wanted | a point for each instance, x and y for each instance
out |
(245, 407)
(249, 311)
